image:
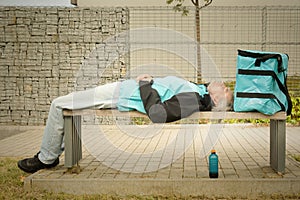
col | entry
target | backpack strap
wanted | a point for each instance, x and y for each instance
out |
(260, 95)
(262, 57)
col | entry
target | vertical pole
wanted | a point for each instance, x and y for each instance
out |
(198, 38)
(277, 145)
(68, 141)
(264, 29)
(73, 143)
(78, 144)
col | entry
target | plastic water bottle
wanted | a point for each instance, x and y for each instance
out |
(213, 164)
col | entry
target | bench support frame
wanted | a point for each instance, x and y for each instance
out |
(73, 142)
(277, 144)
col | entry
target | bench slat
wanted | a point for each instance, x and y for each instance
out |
(197, 115)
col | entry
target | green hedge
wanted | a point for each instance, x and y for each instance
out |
(294, 118)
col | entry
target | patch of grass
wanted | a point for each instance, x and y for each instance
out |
(12, 185)
(296, 157)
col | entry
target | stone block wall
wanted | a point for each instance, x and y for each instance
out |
(43, 52)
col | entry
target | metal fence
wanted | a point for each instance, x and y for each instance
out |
(163, 42)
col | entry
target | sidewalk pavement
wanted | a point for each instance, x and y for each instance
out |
(164, 160)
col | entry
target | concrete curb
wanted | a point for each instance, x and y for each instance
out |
(243, 188)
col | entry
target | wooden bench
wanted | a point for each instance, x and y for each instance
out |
(73, 143)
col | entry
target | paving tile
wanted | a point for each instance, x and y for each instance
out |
(166, 153)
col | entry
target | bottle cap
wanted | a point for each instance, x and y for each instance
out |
(213, 151)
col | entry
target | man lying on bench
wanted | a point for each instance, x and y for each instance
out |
(162, 99)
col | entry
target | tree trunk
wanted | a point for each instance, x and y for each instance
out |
(197, 24)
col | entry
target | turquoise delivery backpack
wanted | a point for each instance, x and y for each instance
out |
(261, 82)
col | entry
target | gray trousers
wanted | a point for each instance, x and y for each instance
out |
(104, 96)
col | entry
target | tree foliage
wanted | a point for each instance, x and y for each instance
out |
(178, 5)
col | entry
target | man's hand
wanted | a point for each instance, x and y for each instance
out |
(144, 77)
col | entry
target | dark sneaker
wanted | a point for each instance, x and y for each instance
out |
(31, 165)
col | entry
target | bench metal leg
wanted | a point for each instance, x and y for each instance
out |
(73, 144)
(277, 145)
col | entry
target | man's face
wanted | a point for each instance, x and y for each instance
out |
(219, 93)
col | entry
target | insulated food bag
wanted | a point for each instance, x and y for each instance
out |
(261, 82)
